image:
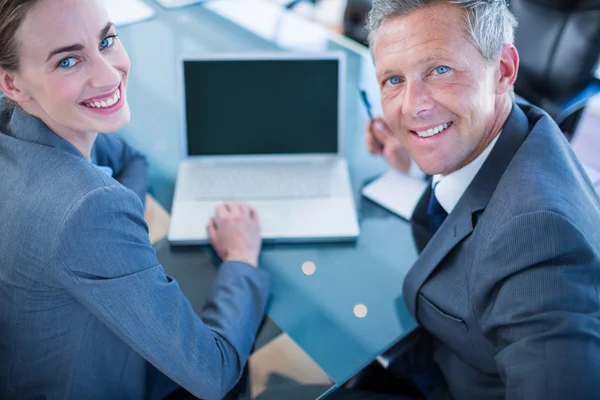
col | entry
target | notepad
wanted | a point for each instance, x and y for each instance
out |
(593, 173)
(397, 192)
(123, 12)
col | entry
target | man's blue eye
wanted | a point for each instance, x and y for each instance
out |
(394, 80)
(67, 62)
(441, 70)
(107, 42)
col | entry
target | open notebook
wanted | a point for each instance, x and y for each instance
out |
(397, 192)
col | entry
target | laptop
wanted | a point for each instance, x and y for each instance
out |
(266, 130)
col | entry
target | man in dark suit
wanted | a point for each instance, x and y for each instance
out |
(506, 285)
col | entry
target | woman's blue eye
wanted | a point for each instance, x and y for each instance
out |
(107, 42)
(394, 80)
(68, 62)
(441, 70)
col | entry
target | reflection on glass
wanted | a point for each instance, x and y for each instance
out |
(360, 311)
(309, 268)
(282, 370)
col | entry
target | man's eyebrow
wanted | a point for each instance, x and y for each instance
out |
(386, 72)
(78, 47)
(431, 57)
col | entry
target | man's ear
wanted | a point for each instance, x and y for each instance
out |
(508, 68)
(9, 85)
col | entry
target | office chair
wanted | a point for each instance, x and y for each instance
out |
(559, 46)
(355, 19)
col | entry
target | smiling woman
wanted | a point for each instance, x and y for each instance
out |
(65, 83)
(86, 310)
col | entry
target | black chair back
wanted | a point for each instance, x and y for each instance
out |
(559, 47)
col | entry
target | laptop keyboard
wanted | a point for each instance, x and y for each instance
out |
(268, 181)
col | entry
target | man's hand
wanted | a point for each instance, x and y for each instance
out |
(381, 140)
(235, 233)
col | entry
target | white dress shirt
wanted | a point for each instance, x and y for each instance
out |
(450, 188)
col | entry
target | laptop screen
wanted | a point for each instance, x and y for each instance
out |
(261, 106)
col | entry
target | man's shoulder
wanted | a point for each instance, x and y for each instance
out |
(545, 175)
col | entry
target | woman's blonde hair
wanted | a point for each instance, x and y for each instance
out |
(12, 14)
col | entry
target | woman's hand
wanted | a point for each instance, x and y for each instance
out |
(234, 233)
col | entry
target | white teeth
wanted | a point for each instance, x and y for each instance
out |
(106, 103)
(432, 131)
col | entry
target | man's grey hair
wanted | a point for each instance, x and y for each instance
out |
(489, 23)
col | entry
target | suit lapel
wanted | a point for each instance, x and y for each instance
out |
(459, 223)
(456, 227)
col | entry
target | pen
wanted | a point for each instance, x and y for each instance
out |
(365, 100)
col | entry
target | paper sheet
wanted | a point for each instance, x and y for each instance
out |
(593, 173)
(586, 140)
(397, 192)
(123, 12)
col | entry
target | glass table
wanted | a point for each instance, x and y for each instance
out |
(350, 310)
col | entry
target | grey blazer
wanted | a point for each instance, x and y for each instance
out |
(86, 310)
(129, 166)
(507, 289)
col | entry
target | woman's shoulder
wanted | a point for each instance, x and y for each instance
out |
(77, 181)
(65, 175)
(48, 183)
(46, 190)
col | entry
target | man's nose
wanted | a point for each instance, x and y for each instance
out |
(417, 99)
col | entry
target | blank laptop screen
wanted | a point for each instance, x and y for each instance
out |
(238, 107)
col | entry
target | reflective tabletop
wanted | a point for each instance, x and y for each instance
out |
(350, 309)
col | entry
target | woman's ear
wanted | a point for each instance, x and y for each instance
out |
(9, 85)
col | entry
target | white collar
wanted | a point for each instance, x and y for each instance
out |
(450, 188)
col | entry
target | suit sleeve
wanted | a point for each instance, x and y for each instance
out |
(129, 166)
(111, 268)
(540, 279)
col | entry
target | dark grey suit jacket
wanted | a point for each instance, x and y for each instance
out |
(507, 289)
